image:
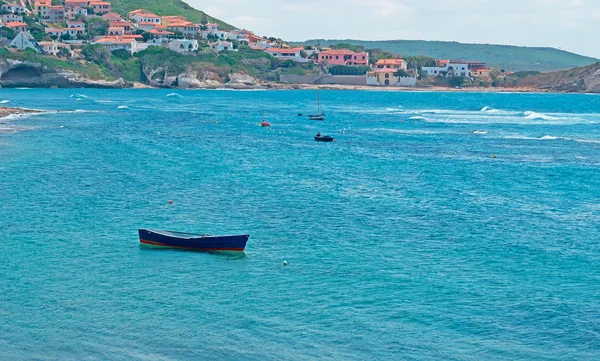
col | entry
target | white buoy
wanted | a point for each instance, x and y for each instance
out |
(285, 263)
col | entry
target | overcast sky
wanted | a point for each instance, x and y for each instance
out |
(572, 25)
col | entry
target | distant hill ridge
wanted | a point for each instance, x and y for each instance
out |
(508, 57)
(165, 8)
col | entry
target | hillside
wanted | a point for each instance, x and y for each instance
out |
(584, 79)
(166, 7)
(508, 57)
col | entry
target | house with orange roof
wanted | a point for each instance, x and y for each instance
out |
(40, 8)
(166, 20)
(117, 43)
(212, 28)
(126, 25)
(69, 4)
(287, 54)
(14, 8)
(58, 32)
(100, 7)
(186, 28)
(343, 57)
(391, 64)
(483, 72)
(110, 17)
(17, 26)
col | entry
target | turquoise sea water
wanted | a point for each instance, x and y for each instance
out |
(406, 239)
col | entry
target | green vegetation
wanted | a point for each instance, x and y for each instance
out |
(91, 70)
(510, 58)
(166, 8)
(348, 70)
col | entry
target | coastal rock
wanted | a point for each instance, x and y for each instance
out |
(241, 79)
(16, 73)
(585, 79)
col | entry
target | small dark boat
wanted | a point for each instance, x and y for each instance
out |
(300, 114)
(323, 138)
(192, 241)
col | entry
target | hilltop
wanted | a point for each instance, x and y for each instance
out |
(508, 57)
(167, 7)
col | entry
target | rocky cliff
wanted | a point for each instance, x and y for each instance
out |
(585, 79)
(197, 77)
(17, 73)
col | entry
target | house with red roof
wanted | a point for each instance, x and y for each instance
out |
(343, 57)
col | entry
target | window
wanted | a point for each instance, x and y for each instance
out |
(337, 57)
(387, 76)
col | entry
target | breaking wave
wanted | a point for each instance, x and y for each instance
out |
(542, 116)
(5, 101)
(122, 107)
(480, 132)
(174, 95)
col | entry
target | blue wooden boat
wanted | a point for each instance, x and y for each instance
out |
(323, 138)
(192, 241)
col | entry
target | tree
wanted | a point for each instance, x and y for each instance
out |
(8, 32)
(401, 73)
(122, 54)
(146, 36)
(456, 81)
(494, 74)
(65, 36)
(303, 54)
(204, 20)
(97, 54)
(97, 26)
(63, 52)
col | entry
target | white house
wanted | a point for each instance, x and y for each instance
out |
(55, 31)
(186, 28)
(52, 47)
(13, 8)
(183, 45)
(287, 54)
(7, 18)
(145, 18)
(223, 46)
(24, 40)
(118, 43)
(388, 77)
(74, 28)
(449, 69)
(212, 28)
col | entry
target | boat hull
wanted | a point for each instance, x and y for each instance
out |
(196, 242)
(324, 139)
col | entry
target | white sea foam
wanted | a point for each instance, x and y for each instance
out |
(78, 96)
(549, 137)
(122, 107)
(4, 101)
(542, 116)
(417, 117)
(480, 132)
(174, 95)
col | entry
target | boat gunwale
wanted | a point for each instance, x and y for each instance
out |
(174, 234)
